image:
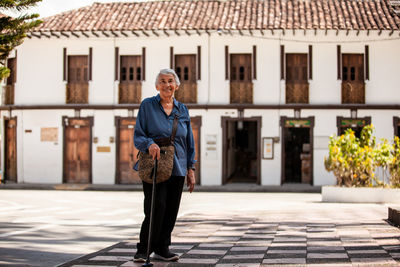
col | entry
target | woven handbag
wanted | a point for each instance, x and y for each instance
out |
(166, 161)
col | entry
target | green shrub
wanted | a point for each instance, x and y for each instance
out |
(354, 161)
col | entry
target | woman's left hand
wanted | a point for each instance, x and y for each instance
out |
(190, 180)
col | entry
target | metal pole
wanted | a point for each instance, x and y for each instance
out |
(148, 263)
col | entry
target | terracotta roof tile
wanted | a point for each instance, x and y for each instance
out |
(229, 14)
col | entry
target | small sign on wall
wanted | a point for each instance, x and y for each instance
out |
(103, 149)
(268, 148)
(211, 146)
(49, 134)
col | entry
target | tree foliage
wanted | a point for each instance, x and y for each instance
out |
(13, 29)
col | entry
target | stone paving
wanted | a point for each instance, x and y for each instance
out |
(253, 239)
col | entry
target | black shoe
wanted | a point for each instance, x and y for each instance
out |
(166, 255)
(140, 256)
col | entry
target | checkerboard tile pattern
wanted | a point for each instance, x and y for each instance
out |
(209, 240)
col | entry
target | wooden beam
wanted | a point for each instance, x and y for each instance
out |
(115, 34)
(226, 62)
(145, 33)
(134, 33)
(282, 62)
(54, 34)
(198, 32)
(64, 34)
(171, 57)
(155, 33)
(177, 33)
(124, 34)
(366, 62)
(199, 62)
(95, 34)
(254, 62)
(44, 34)
(166, 33)
(116, 63)
(90, 63)
(339, 62)
(262, 32)
(85, 34)
(143, 63)
(187, 32)
(65, 64)
(105, 34)
(74, 34)
(35, 35)
(310, 61)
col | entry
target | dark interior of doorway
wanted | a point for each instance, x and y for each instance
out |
(242, 152)
(398, 130)
(297, 149)
(357, 130)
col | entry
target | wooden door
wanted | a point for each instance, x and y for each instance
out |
(196, 127)
(10, 168)
(353, 85)
(185, 67)
(78, 80)
(296, 79)
(241, 86)
(130, 79)
(77, 152)
(126, 152)
(9, 89)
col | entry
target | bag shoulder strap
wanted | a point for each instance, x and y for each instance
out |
(174, 128)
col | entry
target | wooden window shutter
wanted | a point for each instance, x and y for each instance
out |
(143, 63)
(339, 63)
(65, 67)
(310, 62)
(171, 57)
(116, 62)
(254, 62)
(366, 62)
(199, 62)
(282, 62)
(90, 62)
(226, 63)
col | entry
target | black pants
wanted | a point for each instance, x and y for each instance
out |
(167, 201)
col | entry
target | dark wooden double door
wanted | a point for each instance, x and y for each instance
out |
(185, 68)
(353, 83)
(77, 150)
(130, 79)
(241, 85)
(127, 152)
(297, 79)
(78, 80)
(10, 141)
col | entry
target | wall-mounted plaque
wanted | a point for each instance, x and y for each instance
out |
(103, 149)
(268, 147)
(49, 134)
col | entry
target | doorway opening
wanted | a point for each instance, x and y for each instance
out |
(241, 151)
(355, 124)
(297, 151)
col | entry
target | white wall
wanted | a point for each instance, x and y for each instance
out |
(40, 82)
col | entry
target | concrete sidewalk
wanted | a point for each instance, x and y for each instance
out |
(237, 187)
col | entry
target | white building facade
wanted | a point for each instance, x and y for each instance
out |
(263, 100)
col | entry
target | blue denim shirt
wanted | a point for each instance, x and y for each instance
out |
(152, 122)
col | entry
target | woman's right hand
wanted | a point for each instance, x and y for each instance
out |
(154, 151)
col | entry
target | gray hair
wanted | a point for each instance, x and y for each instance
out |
(168, 71)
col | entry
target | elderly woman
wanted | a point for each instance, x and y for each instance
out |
(155, 120)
